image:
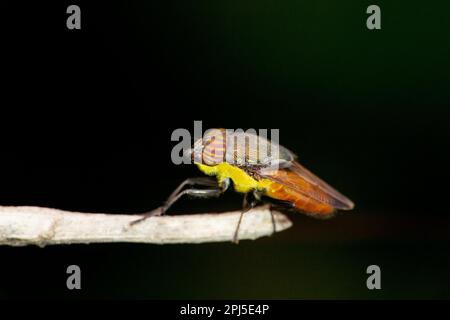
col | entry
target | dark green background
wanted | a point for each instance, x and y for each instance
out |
(87, 118)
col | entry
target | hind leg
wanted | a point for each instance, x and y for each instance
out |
(277, 204)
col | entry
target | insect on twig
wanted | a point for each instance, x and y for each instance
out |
(274, 176)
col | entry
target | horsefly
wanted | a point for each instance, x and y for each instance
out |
(274, 176)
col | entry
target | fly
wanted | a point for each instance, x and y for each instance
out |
(235, 157)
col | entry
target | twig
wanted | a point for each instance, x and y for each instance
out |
(21, 226)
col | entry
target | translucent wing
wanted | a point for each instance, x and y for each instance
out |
(300, 179)
(248, 149)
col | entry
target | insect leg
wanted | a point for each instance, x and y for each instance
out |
(274, 225)
(200, 181)
(258, 194)
(280, 205)
(246, 206)
(195, 193)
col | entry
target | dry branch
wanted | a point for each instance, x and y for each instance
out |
(21, 226)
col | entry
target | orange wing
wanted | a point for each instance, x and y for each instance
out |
(307, 191)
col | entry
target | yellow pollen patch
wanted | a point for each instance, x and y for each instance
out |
(241, 180)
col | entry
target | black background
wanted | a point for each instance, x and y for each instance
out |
(87, 115)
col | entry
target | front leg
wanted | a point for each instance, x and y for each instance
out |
(199, 181)
(216, 191)
(192, 192)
